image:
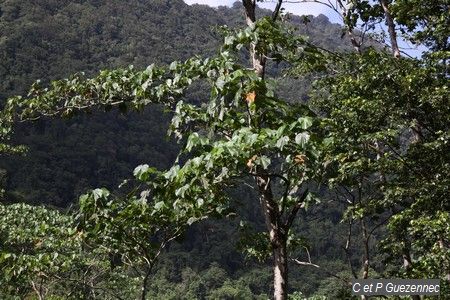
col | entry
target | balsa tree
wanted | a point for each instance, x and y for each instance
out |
(242, 133)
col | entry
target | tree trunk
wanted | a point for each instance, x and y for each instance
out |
(407, 264)
(443, 247)
(148, 272)
(280, 270)
(258, 60)
(275, 228)
(366, 263)
(277, 237)
(145, 283)
(391, 28)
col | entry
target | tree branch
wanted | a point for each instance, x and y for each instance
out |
(290, 219)
(391, 29)
(310, 264)
(276, 11)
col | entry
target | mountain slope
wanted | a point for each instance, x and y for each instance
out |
(49, 39)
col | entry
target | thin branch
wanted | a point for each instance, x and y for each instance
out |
(378, 225)
(276, 11)
(36, 290)
(347, 248)
(350, 193)
(291, 217)
(310, 264)
(303, 263)
(60, 110)
(366, 264)
(270, 175)
(285, 195)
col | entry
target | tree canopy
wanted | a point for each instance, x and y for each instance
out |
(372, 141)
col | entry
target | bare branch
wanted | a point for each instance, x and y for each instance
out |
(310, 264)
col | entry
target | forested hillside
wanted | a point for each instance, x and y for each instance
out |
(286, 147)
(50, 40)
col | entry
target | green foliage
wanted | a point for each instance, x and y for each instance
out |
(212, 283)
(54, 40)
(388, 125)
(251, 133)
(379, 138)
(32, 240)
(43, 255)
(425, 22)
(49, 40)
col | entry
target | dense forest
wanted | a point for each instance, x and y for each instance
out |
(48, 41)
(229, 153)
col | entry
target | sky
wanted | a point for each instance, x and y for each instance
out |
(314, 9)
